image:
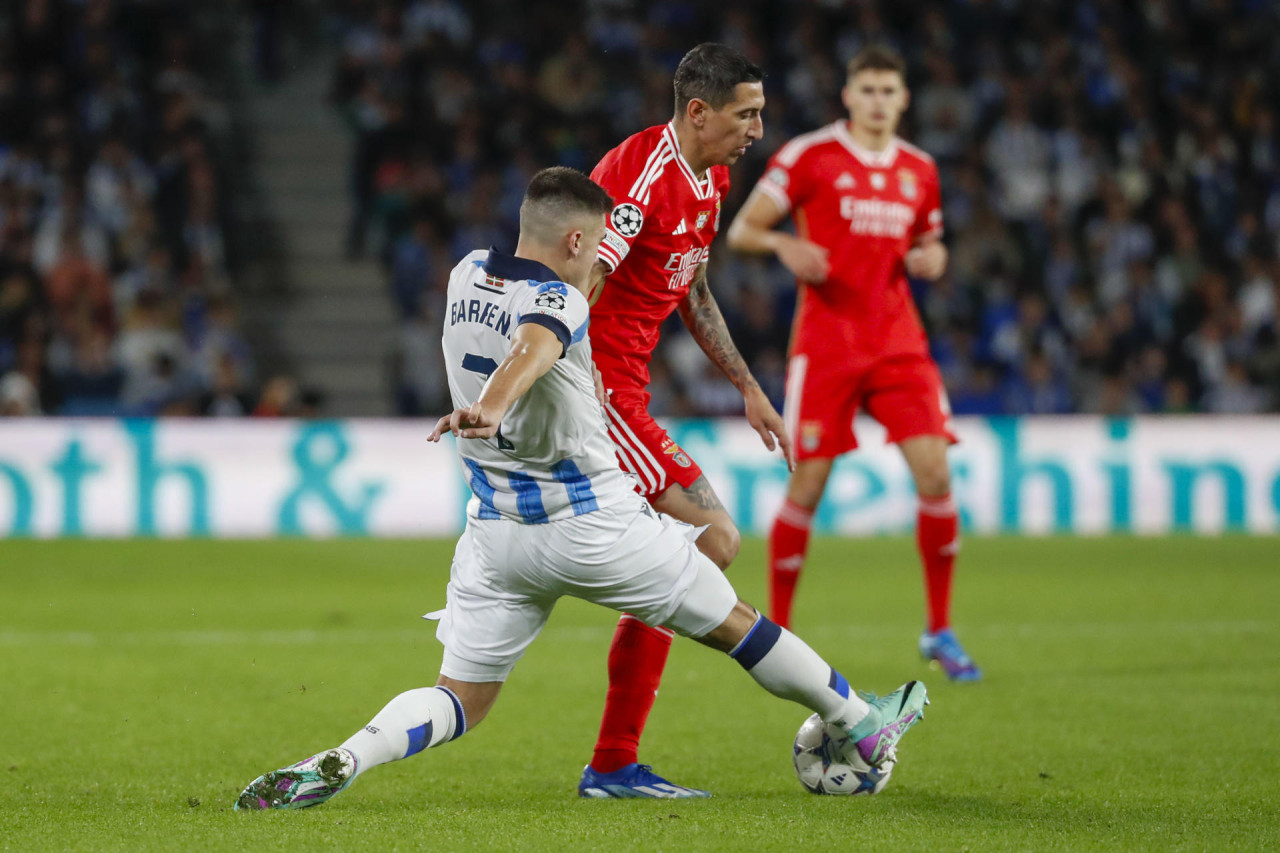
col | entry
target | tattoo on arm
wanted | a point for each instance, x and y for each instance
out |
(702, 316)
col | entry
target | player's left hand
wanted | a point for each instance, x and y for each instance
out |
(764, 419)
(471, 422)
(927, 261)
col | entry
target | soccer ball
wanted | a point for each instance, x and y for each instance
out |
(826, 763)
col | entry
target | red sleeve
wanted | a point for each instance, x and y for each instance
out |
(786, 178)
(929, 216)
(620, 175)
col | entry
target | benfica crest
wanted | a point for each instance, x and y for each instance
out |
(907, 184)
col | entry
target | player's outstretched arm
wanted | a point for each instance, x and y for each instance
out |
(754, 232)
(702, 316)
(534, 350)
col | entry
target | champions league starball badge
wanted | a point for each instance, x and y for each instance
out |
(627, 219)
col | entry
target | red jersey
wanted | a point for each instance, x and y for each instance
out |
(659, 232)
(866, 208)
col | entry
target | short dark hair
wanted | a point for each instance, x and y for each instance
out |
(557, 193)
(877, 57)
(710, 72)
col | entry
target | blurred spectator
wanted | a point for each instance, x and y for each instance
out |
(1111, 185)
(112, 209)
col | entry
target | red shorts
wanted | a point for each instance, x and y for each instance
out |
(644, 448)
(905, 393)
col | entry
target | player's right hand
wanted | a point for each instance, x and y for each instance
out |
(471, 422)
(807, 261)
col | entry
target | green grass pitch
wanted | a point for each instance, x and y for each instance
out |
(1132, 702)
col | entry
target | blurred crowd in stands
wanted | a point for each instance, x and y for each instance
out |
(115, 295)
(1111, 176)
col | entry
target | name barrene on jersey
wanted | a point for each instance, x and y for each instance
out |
(480, 311)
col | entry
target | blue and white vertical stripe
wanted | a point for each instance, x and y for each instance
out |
(529, 498)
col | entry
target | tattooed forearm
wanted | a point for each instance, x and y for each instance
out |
(702, 315)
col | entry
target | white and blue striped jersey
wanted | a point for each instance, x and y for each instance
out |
(552, 457)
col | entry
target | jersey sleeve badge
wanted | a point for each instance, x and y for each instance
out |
(627, 219)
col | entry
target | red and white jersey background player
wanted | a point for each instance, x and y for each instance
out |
(667, 183)
(867, 210)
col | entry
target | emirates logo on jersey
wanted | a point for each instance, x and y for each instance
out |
(683, 266)
(877, 218)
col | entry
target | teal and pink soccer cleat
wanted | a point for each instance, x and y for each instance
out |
(943, 648)
(634, 780)
(876, 736)
(308, 783)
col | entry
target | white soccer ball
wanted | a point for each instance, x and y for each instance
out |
(826, 763)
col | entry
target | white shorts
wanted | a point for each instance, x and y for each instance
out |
(507, 576)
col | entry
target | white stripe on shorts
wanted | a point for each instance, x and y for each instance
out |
(792, 394)
(640, 472)
(639, 451)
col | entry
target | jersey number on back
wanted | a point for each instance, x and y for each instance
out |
(485, 367)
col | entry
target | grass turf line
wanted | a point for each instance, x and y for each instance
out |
(1129, 702)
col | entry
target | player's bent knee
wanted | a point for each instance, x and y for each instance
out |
(477, 698)
(729, 633)
(707, 603)
(721, 542)
(934, 481)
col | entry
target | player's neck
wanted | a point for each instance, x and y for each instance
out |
(687, 138)
(550, 259)
(871, 140)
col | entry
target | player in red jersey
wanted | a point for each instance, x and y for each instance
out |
(667, 183)
(868, 213)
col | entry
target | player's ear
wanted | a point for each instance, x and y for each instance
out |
(696, 111)
(574, 242)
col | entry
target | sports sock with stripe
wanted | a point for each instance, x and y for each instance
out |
(411, 722)
(783, 664)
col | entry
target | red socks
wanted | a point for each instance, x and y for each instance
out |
(938, 536)
(636, 660)
(788, 542)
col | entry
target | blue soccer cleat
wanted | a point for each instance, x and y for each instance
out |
(310, 782)
(943, 648)
(634, 780)
(875, 737)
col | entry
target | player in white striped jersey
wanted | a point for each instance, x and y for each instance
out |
(553, 515)
(553, 458)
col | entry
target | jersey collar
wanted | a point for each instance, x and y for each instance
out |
(517, 269)
(703, 188)
(874, 159)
